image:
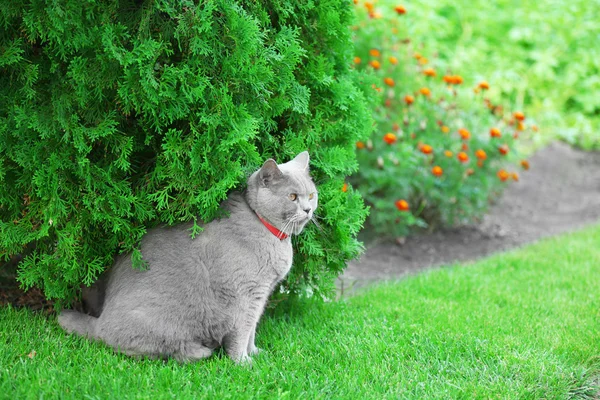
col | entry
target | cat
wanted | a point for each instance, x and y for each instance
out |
(200, 294)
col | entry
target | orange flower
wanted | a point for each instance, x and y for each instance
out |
(457, 79)
(357, 60)
(437, 170)
(426, 149)
(423, 60)
(464, 147)
(515, 176)
(480, 154)
(503, 175)
(519, 116)
(389, 138)
(425, 91)
(520, 126)
(448, 79)
(483, 85)
(503, 149)
(360, 145)
(463, 157)
(376, 88)
(535, 128)
(402, 205)
(469, 172)
(464, 134)
(408, 99)
(417, 56)
(495, 132)
(480, 163)
(448, 153)
(375, 64)
(389, 81)
(429, 72)
(345, 187)
(525, 164)
(393, 60)
(400, 10)
(369, 6)
(374, 53)
(445, 129)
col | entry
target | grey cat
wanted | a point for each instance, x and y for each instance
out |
(203, 293)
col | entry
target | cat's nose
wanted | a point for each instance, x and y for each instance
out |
(307, 210)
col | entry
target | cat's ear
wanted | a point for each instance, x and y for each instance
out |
(301, 161)
(269, 173)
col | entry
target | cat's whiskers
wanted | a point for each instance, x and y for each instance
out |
(282, 231)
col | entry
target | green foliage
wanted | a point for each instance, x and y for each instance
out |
(543, 55)
(118, 116)
(413, 154)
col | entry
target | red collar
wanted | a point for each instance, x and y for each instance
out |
(279, 234)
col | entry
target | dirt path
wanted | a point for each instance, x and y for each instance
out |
(560, 193)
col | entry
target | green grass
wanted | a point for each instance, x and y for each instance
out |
(540, 56)
(524, 324)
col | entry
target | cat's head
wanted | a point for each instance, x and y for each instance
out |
(284, 194)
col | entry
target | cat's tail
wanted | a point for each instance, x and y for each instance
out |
(75, 322)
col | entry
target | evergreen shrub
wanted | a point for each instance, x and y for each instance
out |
(116, 116)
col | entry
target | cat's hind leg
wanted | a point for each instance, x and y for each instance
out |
(192, 351)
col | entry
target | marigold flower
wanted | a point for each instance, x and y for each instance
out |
(389, 138)
(393, 60)
(445, 129)
(426, 149)
(457, 79)
(495, 132)
(389, 81)
(464, 134)
(408, 99)
(357, 60)
(464, 147)
(418, 56)
(345, 187)
(503, 175)
(469, 172)
(429, 72)
(519, 116)
(480, 154)
(535, 128)
(437, 170)
(483, 85)
(448, 153)
(400, 10)
(425, 91)
(375, 64)
(369, 6)
(462, 157)
(448, 79)
(515, 176)
(503, 149)
(402, 205)
(525, 164)
(360, 145)
(423, 60)
(520, 126)
(374, 53)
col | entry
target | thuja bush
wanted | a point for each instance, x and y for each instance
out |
(441, 149)
(116, 116)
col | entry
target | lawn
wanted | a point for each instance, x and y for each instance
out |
(524, 324)
(541, 56)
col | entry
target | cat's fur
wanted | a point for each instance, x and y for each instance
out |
(203, 293)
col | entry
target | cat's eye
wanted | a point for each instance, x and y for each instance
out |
(310, 196)
(293, 196)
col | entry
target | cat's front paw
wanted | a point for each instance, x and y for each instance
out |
(244, 360)
(253, 350)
